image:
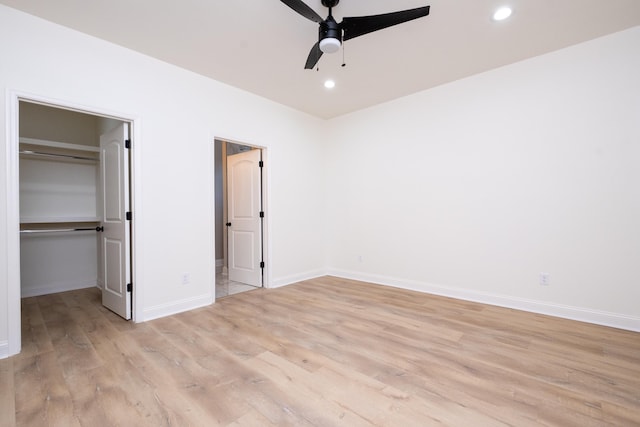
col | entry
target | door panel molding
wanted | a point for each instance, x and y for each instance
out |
(244, 207)
(116, 246)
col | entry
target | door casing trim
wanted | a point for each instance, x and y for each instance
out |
(12, 225)
(266, 225)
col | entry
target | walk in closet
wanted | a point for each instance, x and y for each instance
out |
(60, 197)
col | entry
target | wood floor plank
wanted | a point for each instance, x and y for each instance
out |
(303, 387)
(187, 376)
(101, 391)
(35, 337)
(7, 396)
(145, 384)
(252, 418)
(42, 397)
(274, 403)
(323, 352)
(98, 395)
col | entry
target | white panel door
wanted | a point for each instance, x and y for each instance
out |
(116, 261)
(244, 222)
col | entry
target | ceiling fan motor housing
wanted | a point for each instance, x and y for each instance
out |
(330, 35)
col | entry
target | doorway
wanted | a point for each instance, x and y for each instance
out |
(240, 214)
(56, 165)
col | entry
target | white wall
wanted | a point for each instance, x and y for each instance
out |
(473, 188)
(178, 114)
(58, 262)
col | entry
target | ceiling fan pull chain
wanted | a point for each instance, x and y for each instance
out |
(343, 63)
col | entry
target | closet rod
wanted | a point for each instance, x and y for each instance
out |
(60, 230)
(69, 156)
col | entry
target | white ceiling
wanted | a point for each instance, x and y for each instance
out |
(261, 45)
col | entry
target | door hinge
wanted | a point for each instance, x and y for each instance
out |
(261, 264)
(260, 164)
(129, 215)
(127, 143)
(261, 214)
(129, 287)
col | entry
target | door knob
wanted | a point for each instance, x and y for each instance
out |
(228, 224)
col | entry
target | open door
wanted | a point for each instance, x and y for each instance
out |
(116, 236)
(244, 186)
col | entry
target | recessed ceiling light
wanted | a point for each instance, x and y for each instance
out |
(329, 84)
(502, 13)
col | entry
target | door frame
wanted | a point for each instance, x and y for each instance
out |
(13, 203)
(266, 224)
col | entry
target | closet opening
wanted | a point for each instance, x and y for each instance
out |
(74, 204)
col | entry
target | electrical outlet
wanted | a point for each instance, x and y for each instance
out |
(185, 278)
(545, 279)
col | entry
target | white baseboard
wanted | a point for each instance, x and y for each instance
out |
(597, 317)
(294, 278)
(176, 307)
(53, 288)
(4, 349)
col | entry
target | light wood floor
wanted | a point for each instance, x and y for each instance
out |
(325, 352)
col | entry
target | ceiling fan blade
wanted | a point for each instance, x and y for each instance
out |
(304, 10)
(314, 56)
(360, 25)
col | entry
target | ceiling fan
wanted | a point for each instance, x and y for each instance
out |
(331, 34)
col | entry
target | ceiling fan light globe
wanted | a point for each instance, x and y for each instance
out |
(329, 45)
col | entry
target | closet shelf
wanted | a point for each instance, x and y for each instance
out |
(36, 231)
(55, 144)
(58, 151)
(55, 220)
(57, 156)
